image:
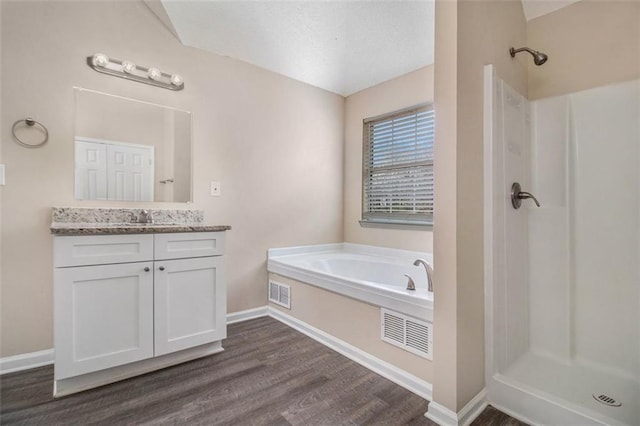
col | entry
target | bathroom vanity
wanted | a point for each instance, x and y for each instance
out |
(131, 298)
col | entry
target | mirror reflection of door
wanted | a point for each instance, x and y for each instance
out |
(102, 118)
(108, 170)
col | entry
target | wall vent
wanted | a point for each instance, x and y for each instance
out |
(280, 294)
(408, 333)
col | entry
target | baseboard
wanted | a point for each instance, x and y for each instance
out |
(445, 417)
(473, 408)
(249, 314)
(441, 414)
(11, 364)
(383, 368)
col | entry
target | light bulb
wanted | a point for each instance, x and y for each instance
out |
(128, 67)
(154, 74)
(100, 60)
(176, 79)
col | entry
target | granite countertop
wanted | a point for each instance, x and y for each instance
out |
(131, 228)
(103, 221)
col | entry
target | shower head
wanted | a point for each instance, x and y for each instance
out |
(539, 58)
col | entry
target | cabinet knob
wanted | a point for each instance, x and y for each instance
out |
(161, 268)
(146, 269)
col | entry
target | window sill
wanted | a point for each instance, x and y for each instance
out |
(416, 226)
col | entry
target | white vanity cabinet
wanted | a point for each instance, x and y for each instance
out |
(128, 304)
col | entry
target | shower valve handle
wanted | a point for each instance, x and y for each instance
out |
(517, 196)
(524, 195)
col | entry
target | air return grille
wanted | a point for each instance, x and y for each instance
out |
(280, 294)
(407, 333)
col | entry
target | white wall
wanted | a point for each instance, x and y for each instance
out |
(405, 91)
(275, 145)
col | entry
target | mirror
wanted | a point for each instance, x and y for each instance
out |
(129, 150)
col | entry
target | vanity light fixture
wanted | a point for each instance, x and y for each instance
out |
(128, 67)
(154, 74)
(129, 70)
(176, 79)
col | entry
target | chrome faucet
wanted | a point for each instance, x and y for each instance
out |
(429, 270)
(410, 285)
(133, 217)
(146, 216)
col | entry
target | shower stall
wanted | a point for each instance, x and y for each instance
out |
(562, 281)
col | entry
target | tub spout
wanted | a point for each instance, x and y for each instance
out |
(410, 285)
(429, 270)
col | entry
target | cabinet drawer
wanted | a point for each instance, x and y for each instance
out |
(188, 244)
(101, 249)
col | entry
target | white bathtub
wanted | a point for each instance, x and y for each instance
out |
(374, 275)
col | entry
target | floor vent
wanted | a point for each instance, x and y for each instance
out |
(280, 294)
(408, 333)
(606, 400)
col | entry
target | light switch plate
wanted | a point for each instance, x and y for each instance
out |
(215, 189)
(1, 174)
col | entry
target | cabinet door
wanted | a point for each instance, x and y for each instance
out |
(190, 303)
(103, 317)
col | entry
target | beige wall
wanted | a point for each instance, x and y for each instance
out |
(469, 34)
(405, 91)
(590, 44)
(445, 239)
(355, 322)
(275, 145)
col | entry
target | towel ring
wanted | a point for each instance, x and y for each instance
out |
(29, 122)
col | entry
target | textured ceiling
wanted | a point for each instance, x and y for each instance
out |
(340, 46)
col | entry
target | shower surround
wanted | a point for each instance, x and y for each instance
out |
(563, 280)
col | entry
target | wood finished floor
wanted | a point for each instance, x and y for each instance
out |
(269, 374)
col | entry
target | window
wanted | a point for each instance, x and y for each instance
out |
(397, 183)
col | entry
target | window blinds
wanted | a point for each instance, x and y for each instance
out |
(398, 167)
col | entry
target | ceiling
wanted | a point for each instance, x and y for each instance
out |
(342, 46)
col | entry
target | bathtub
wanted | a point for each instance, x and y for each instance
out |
(374, 275)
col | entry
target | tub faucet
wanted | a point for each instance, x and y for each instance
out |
(429, 270)
(410, 285)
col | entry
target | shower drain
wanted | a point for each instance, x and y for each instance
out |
(606, 400)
